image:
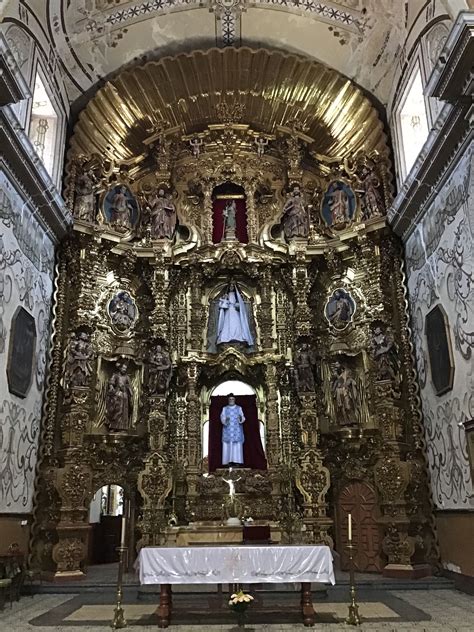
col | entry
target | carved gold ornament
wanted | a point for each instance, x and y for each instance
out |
(186, 92)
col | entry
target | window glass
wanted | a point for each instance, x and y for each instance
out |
(413, 122)
(44, 125)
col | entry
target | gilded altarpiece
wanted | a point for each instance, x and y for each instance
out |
(322, 280)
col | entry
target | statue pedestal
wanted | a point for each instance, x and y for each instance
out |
(211, 533)
(407, 571)
(230, 235)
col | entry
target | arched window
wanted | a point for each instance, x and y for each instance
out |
(107, 501)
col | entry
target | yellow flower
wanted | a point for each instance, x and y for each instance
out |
(240, 597)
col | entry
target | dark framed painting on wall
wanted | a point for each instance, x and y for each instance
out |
(440, 352)
(21, 352)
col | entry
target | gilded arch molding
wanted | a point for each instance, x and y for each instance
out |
(270, 89)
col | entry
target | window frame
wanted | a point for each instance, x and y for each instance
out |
(59, 141)
(415, 69)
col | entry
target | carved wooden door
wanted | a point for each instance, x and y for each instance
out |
(360, 501)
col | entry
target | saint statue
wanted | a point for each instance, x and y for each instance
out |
(371, 201)
(121, 209)
(304, 362)
(295, 217)
(232, 418)
(384, 353)
(229, 215)
(233, 322)
(345, 395)
(159, 373)
(163, 215)
(84, 201)
(79, 361)
(119, 399)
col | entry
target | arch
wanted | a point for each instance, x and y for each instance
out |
(254, 430)
(185, 92)
(105, 519)
(238, 387)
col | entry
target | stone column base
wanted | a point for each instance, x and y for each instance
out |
(63, 576)
(407, 571)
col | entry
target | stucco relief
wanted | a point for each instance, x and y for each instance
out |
(440, 264)
(364, 37)
(26, 271)
(19, 433)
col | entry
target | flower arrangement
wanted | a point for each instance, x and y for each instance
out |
(239, 602)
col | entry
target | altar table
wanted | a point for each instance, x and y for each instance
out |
(235, 565)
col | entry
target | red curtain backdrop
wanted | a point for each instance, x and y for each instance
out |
(218, 221)
(254, 456)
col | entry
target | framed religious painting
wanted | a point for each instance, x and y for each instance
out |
(120, 208)
(122, 311)
(339, 205)
(440, 352)
(21, 352)
(340, 309)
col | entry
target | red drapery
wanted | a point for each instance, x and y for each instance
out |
(218, 221)
(254, 456)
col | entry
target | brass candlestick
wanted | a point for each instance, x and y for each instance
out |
(354, 617)
(119, 620)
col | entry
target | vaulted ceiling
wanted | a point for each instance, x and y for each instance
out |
(362, 39)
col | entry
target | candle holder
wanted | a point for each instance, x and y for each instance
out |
(354, 617)
(119, 620)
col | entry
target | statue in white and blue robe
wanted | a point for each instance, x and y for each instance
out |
(231, 321)
(233, 324)
(232, 419)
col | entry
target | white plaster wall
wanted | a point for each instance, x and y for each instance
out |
(440, 265)
(26, 279)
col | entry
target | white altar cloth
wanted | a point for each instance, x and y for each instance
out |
(235, 564)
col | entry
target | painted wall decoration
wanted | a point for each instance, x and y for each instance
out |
(339, 205)
(120, 208)
(340, 308)
(440, 267)
(26, 273)
(21, 355)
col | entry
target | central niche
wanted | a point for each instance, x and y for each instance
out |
(253, 427)
(231, 320)
(229, 214)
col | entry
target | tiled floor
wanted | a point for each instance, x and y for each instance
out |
(423, 610)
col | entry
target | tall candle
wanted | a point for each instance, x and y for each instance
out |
(349, 526)
(124, 529)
